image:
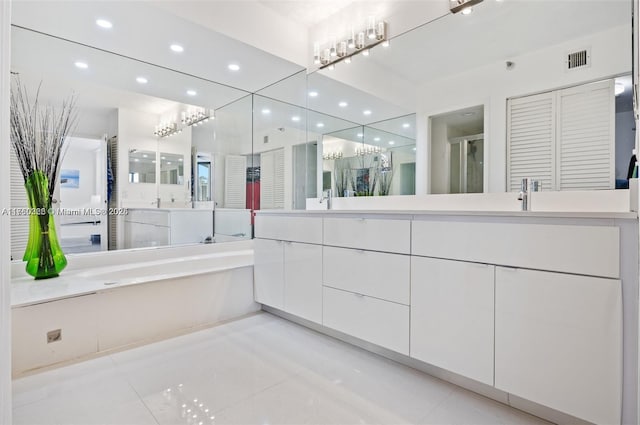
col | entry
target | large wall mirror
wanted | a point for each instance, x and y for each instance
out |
(515, 89)
(172, 152)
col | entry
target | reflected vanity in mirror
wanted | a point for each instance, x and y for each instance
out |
(171, 168)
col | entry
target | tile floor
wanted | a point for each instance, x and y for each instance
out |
(258, 370)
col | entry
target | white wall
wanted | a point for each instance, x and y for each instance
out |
(491, 85)
(5, 277)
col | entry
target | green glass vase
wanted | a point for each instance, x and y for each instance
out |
(43, 254)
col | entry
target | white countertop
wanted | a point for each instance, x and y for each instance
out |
(417, 213)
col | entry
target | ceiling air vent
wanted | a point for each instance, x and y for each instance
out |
(578, 59)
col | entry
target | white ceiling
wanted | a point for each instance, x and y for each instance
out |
(308, 12)
(145, 32)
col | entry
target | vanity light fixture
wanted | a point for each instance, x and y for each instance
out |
(332, 155)
(463, 6)
(142, 80)
(374, 33)
(368, 150)
(81, 65)
(197, 116)
(166, 129)
(177, 48)
(103, 23)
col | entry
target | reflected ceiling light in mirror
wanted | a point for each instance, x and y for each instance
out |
(406, 125)
(81, 65)
(234, 67)
(103, 23)
(176, 48)
(266, 111)
(142, 80)
(313, 94)
(366, 112)
(463, 6)
(343, 104)
(320, 125)
(414, 149)
(192, 92)
(295, 118)
(376, 139)
(391, 142)
(360, 135)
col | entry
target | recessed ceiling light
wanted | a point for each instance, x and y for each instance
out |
(177, 48)
(103, 23)
(168, 162)
(142, 80)
(343, 104)
(406, 125)
(360, 134)
(81, 65)
(266, 111)
(313, 93)
(233, 67)
(163, 157)
(192, 92)
(180, 159)
(391, 142)
(136, 160)
(295, 118)
(414, 149)
(467, 11)
(366, 112)
(144, 155)
(320, 125)
(376, 139)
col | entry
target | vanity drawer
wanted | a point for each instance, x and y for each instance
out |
(289, 228)
(588, 250)
(380, 322)
(373, 234)
(376, 274)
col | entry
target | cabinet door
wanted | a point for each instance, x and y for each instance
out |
(452, 305)
(268, 272)
(303, 280)
(559, 341)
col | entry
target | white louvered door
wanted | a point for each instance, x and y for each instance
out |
(586, 137)
(235, 181)
(564, 138)
(531, 123)
(272, 179)
(19, 223)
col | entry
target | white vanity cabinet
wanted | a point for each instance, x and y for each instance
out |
(559, 341)
(288, 265)
(452, 306)
(303, 280)
(268, 272)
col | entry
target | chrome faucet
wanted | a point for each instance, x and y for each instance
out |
(526, 187)
(327, 194)
(524, 194)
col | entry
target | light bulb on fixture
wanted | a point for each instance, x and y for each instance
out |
(331, 67)
(467, 11)
(342, 49)
(316, 53)
(351, 42)
(371, 28)
(347, 60)
(360, 40)
(380, 30)
(385, 43)
(332, 51)
(365, 52)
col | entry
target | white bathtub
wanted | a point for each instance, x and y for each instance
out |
(101, 309)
